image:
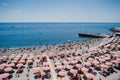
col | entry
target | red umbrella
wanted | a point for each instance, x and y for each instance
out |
(19, 65)
(37, 60)
(5, 75)
(88, 64)
(10, 65)
(8, 69)
(45, 64)
(78, 52)
(11, 57)
(84, 69)
(3, 65)
(78, 65)
(65, 78)
(91, 59)
(108, 63)
(30, 57)
(38, 56)
(30, 61)
(69, 66)
(95, 62)
(62, 73)
(23, 58)
(65, 62)
(61, 53)
(116, 61)
(22, 61)
(103, 66)
(73, 61)
(57, 63)
(102, 60)
(69, 59)
(46, 68)
(43, 55)
(107, 58)
(14, 61)
(78, 57)
(36, 69)
(90, 76)
(60, 67)
(73, 71)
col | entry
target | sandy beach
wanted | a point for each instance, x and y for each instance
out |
(96, 59)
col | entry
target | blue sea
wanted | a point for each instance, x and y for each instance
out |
(38, 34)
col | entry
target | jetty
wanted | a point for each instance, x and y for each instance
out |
(92, 35)
(115, 29)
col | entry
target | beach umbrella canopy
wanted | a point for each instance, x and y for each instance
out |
(61, 53)
(3, 65)
(38, 56)
(102, 60)
(23, 58)
(19, 65)
(1, 58)
(69, 66)
(46, 68)
(14, 61)
(74, 61)
(37, 61)
(116, 61)
(31, 57)
(87, 63)
(57, 63)
(51, 54)
(73, 71)
(10, 65)
(43, 55)
(65, 62)
(107, 58)
(5, 75)
(78, 65)
(36, 69)
(90, 76)
(103, 66)
(8, 69)
(62, 73)
(4, 57)
(30, 61)
(84, 69)
(95, 62)
(11, 57)
(65, 78)
(22, 61)
(108, 63)
(69, 58)
(77, 52)
(45, 64)
(60, 67)
(78, 57)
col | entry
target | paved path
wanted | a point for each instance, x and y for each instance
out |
(54, 76)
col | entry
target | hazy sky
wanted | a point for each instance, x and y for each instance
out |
(59, 10)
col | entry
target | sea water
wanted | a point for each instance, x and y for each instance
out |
(38, 34)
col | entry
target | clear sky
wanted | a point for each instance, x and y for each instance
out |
(59, 10)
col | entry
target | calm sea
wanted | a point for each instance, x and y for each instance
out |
(35, 34)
